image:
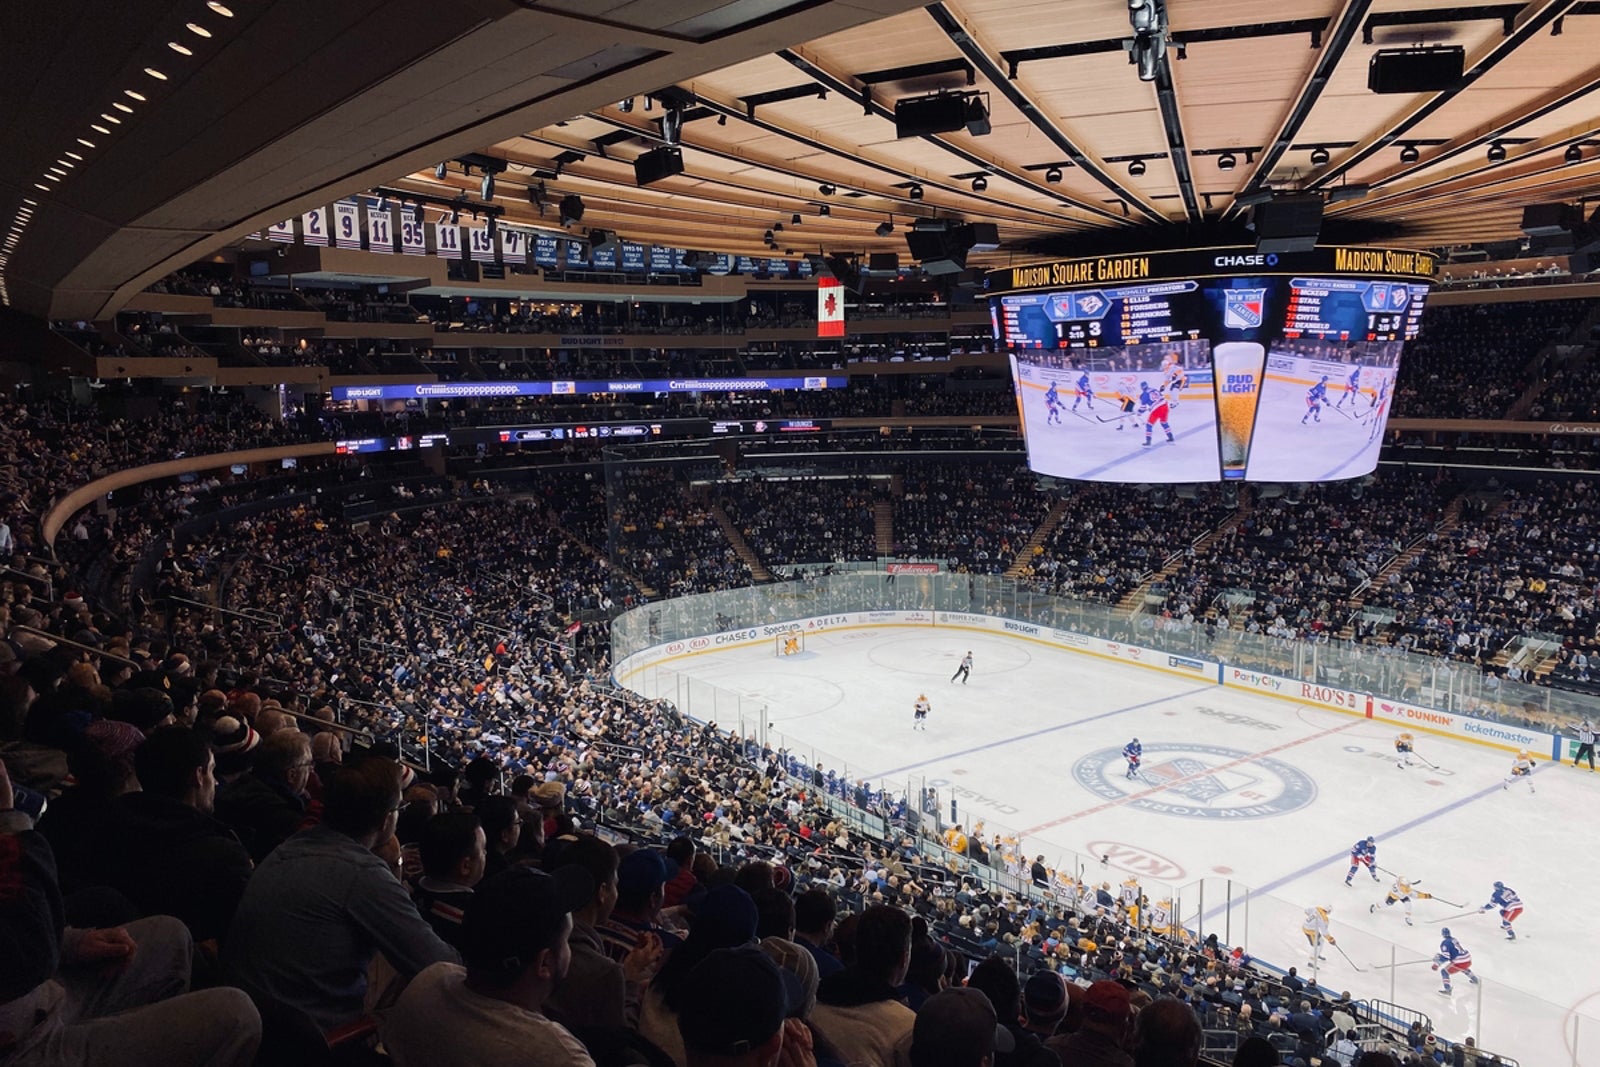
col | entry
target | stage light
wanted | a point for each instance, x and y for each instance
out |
(571, 209)
(1574, 154)
(884, 228)
(915, 192)
(979, 184)
(486, 188)
(440, 170)
(1497, 153)
(1319, 157)
(1136, 168)
(1227, 161)
(1409, 154)
(1053, 176)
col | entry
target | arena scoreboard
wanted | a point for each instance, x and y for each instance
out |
(1207, 364)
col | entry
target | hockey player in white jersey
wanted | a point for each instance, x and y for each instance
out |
(1403, 892)
(1521, 767)
(1315, 928)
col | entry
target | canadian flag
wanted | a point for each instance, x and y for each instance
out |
(830, 307)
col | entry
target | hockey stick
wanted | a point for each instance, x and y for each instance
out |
(1424, 759)
(1451, 903)
(1386, 966)
(1346, 956)
(1447, 918)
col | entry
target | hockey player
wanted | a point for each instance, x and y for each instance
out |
(1133, 752)
(1128, 897)
(1177, 380)
(1125, 405)
(1316, 930)
(1363, 852)
(1379, 403)
(1453, 958)
(1083, 392)
(1316, 396)
(1052, 405)
(1352, 391)
(919, 715)
(1404, 745)
(963, 671)
(1505, 898)
(1155, 404)
(1521, 767)
(1161, 922)
(1403, 892)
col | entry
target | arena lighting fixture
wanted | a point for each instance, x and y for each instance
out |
(46, 188)
(73, 155)
(197, 29)
(1136, 168)
(65, 163)
(767, 237)
(915, 192)
(1497, 153)
(572, 208)
(133, 95)
(827, 190)
(1410, 154)
(111, 119)
(1574, 154)
(1227, 161)
(777, 227)
(440, 170)
(979, 184)
(824, 209)
(794, 220)
(1053, 176)
(219, 9)
(182, 50)
(52, 177)
(85, 143)
(58, 170)
(156, 74)
(625, 105)
(885, 228)
(97, 128)
(1320, 157)
(120, 106)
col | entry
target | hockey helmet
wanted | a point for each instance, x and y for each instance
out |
(1144, 385)
(1327, 909)
(1445, 932)
(1371, 840)
(1136, 740)
(1523, 754)
(1499, 885)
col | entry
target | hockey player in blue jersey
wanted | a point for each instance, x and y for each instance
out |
(1052, 404)
(1452, 959)
(1083, 392)
(1154, 403)
(1352, 391)
(1510, 905)
(1133, 752)
(1316, 396)
(1363, 852)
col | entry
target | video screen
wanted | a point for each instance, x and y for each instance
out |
(1270, 378)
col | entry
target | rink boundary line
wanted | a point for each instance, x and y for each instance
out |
(628, 675)
(1142, 794)
(1036, 733)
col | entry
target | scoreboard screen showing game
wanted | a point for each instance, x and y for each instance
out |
(1209, 364)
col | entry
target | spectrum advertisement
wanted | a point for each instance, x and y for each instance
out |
(481, 390)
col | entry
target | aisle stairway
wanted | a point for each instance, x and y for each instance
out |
(1448, 521)
(883, 526)
(1041, 533)
(598, 553)
(741, 547)
(1133, 601)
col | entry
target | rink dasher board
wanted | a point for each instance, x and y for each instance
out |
(1350, 702)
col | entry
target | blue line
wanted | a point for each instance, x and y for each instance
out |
(1140, 451)
(1038, 733)
(1311, 868)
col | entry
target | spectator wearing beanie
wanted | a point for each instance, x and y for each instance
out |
(997, 979)
(454, 855)
(1104, 1038)
(599, 991)
(163, 849)
(324, 903)
(739, 1010)
(857, 1010)
(1044, 1004)
(1166, 1034)
(491, 1012)
(957, 1028)
(267, 805)
(234, 742)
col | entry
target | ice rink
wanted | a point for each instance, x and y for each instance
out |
(1239, 790)
(1087, 443)
(1342, 445)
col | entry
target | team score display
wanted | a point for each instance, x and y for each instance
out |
(1099, 318)
(789, 643)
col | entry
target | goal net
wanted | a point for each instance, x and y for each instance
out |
(789, 643)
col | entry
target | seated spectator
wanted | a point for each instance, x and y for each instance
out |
(642, 877)
(118, 995)
(1104, 1038)
(502, 828)
(1166, 1034)
(491, 1012)
(724, 918)
(814, 915)
(1044, 1004)
(1257, 1051)
(856, 1008)
(163, 849)
(267, 805)
(997, 979)
(958, 1028)
(739, 1010)
(102, 771)
(598, 990)
(324, 903)
(454, 855)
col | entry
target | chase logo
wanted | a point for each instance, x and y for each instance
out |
(1198, 782)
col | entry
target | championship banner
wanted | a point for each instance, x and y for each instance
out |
(546, 250)
(281, 231)
(480, 245)
(830, 307)
(413, 241)
(447, 240)
(314, 227)
(577, 255)
(513, 246)
(380, 230)
(347, 225)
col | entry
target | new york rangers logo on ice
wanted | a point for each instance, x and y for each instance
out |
(1243, 309)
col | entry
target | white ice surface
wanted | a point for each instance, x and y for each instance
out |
(1011, 738)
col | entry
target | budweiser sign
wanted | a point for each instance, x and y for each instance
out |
(913, 568)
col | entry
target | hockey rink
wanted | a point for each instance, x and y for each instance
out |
(1344, 444)
(1244, 813)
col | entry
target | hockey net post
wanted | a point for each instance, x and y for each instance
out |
(789, 643)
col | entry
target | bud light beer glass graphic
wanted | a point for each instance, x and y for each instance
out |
(1239, 366)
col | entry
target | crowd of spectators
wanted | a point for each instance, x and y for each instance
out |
(974, 516)
(803, 520)
(670, 541)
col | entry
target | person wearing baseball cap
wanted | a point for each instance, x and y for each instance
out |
(957, 1027)
(641, 891)
(1103, 1039)
(736, 1008)
(489, 1013)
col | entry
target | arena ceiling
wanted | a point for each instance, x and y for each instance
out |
(288, 105)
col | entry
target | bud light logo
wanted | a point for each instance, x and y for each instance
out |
(1241, 384)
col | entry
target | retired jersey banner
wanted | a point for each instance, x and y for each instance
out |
(480, 244)
(513, 246)
(380, 230)
(346, 224)
(447, 240)
(413, 240)
(281, 231)
(830, 307)
(314, 227)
